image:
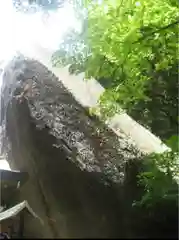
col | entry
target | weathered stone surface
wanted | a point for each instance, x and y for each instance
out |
(87, 93)
(81, 180)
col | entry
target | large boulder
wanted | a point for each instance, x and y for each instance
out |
(82, 177)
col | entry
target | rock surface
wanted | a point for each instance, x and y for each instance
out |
(82, 177)
(87, 94)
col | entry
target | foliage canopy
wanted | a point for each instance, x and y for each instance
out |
(131, 48)
(158, 177)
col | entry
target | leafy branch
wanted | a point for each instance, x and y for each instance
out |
(157, 31)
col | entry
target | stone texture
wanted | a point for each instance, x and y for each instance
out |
(82, 176)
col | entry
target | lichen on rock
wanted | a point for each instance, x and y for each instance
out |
(77, 165)
(86, 141)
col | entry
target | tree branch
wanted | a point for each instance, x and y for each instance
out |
(156, 31)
